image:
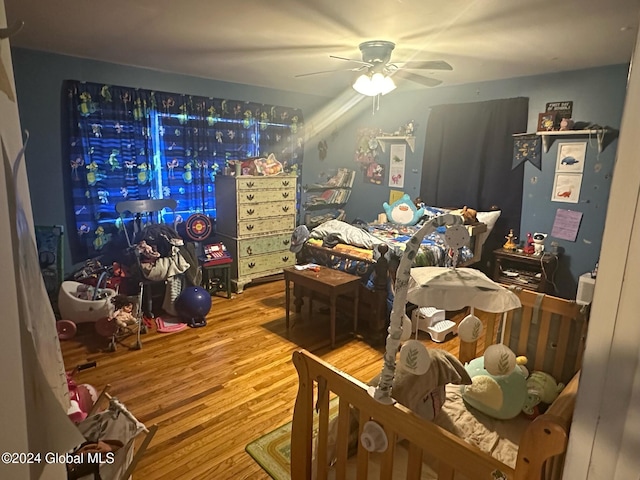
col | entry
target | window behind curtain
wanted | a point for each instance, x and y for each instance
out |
(132, 144)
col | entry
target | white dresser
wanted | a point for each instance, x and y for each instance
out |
(255, 217)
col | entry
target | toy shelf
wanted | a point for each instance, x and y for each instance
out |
(549, 137)
(382, 141)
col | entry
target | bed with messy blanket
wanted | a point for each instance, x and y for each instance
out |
(373, 251)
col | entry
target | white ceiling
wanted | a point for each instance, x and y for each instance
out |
(267, 43)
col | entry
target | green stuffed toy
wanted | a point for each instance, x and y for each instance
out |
(403, 211)
(498, 396)
(541, 388)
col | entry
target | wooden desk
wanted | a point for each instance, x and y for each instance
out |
(327, 282)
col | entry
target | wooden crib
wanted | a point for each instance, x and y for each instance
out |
(550, 331)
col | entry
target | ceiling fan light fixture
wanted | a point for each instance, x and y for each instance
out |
(372, 85)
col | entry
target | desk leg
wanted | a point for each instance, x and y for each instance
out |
(286, 301)
(333, 320)
(355, 310)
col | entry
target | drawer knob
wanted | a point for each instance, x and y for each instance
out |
(251, 265)
(284, 259)
(285, 208)
(250, 184)
(285, 183)
(250, 211)
(250, 197)
(249, 227)
(286, 242)
(249, 251)
(285, 194)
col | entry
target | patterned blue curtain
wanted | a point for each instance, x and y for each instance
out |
(133, 144)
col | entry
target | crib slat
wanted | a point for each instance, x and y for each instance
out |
(386, 464)
(563, 342)
(506, 329)
(363, 454)
(581, 346)
(525, 322)
(490, 335)
(343, 439)
(543, 340)
(414, 462)
(445, 471)
(323, 429)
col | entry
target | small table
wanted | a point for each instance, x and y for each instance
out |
(328, 282)
(216, 276)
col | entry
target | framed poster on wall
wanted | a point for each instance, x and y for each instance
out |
(566, 187)
(571, 156)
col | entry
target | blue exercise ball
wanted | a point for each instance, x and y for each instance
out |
(193, 304)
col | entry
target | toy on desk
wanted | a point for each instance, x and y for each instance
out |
(216, 254)
(511, 241)
(529, 247)
(538, 243)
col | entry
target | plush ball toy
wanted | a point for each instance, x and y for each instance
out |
(193, 305)
(403, 211)
(498, 396)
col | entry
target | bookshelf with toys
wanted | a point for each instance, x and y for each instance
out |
(325, 201)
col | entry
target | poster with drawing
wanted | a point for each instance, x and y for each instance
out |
(571, 157)
(566, 187)
(397, 154)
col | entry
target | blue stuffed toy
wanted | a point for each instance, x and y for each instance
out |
(403, 211)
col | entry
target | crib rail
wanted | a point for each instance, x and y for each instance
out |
(318, 381)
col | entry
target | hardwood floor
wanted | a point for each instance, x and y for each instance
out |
(214, 389)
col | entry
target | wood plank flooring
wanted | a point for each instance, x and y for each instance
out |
(214, 389)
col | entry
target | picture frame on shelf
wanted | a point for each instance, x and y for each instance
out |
(547, 121)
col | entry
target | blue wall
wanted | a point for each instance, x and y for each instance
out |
(598, 96)
(39, 78)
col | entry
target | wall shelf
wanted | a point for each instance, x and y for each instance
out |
(382, 141)
(602, 135)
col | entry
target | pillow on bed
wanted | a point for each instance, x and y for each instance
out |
(489, 219)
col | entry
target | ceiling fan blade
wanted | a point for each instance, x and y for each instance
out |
(351, 60)
(356, 69)
(426, 81)
(427, 65)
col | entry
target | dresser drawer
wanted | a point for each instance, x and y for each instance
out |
(265, 210)
(249, 228)
(265, 196)
(254, 264)
(262, 245)
(265, 183)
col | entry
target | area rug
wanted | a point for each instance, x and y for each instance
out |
(273, 450)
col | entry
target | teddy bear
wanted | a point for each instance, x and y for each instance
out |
(468, 214)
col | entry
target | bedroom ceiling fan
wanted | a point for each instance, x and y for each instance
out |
(376, 78)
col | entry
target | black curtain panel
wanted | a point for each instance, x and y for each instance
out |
(468, 160)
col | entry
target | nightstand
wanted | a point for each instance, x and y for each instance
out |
(531, 272)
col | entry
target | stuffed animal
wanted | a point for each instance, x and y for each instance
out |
(403, 211)
(498, 396)
(469, 215)
(541, 388)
